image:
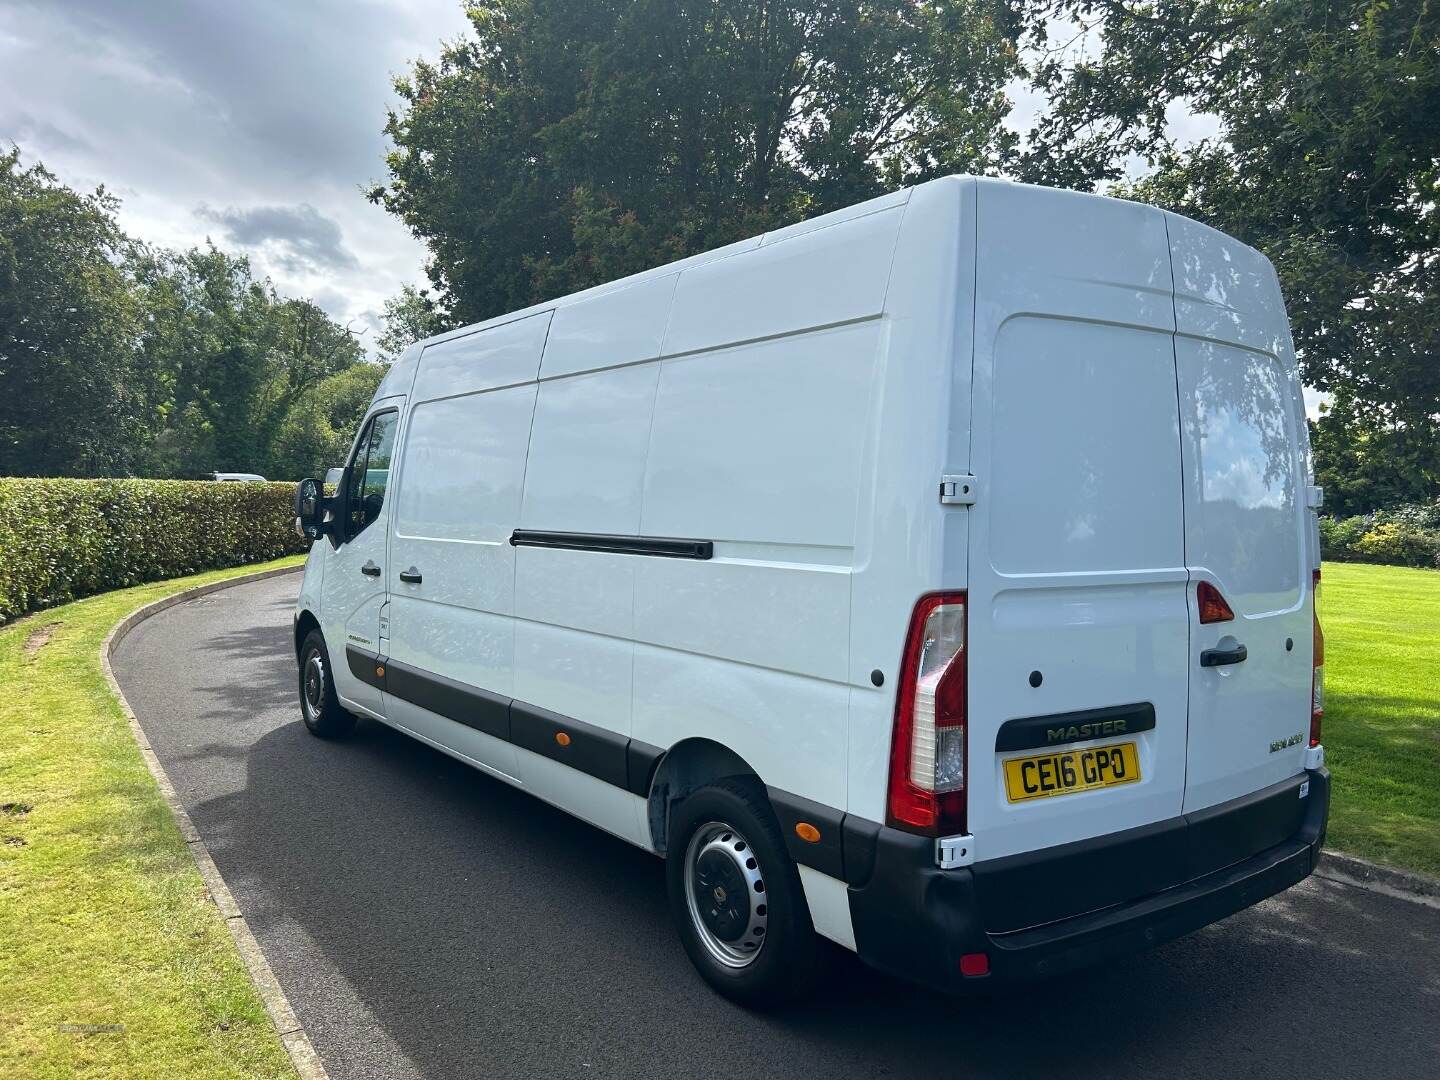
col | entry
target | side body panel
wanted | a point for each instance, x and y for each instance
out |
(459, 496)
(763, 421)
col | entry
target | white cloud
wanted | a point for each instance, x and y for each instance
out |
(257, 124)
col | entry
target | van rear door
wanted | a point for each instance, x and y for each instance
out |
(1245, 517)
(1079, 633)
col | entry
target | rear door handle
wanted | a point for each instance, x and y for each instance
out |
(412, 576)
(370, 569)
(1220, 657)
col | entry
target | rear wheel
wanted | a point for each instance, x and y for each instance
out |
(736, 897)
(319, 707)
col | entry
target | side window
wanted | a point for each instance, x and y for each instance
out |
(369, 473)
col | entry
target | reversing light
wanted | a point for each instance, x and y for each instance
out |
(928, 750)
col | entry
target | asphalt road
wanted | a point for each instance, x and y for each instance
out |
(428, 921)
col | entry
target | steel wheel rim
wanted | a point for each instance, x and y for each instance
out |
(725, 894)
(312, 686)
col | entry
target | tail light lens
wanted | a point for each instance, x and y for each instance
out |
(1317, 675)
(928, 752)
(1213, 607)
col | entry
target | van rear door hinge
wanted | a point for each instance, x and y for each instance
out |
(955, 851)
(957, 489)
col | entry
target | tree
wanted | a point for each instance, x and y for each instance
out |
(1328, 162)
(118, 359)
(319, 427)
(71, 399)
(1367, 463)
(573, 141)
(228, 357)
(409, 316)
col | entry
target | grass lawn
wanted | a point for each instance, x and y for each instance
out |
(1382, 711)
(103, 917)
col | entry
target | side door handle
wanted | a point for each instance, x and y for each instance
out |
(370, 569)
(411, 576)
(1220, 657)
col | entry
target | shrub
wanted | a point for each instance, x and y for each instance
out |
(61, 539)
(1399, 537)
(1400, 544)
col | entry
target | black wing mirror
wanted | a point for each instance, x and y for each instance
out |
(310, 509)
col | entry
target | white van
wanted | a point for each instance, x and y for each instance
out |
(936, 576)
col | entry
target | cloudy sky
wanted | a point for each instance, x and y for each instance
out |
(254, 123)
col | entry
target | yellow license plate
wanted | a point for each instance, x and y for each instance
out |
(1068, 771)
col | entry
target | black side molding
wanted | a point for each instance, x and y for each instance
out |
(468, 705)
(1030, 732)
(595, 751)
(640, 761)
(826, 854)
(844, 850)
(664, 546)
(367, 667)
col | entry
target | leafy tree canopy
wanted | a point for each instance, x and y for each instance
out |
(410, 315)
(117, 359)
(569, 142)
(1328, 161)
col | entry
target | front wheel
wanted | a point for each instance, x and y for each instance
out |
(319, 707)
(736, 897)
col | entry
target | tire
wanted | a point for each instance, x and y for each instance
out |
(724, 841)
(321, 710)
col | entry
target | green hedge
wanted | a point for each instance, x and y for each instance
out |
(1402, 536)
(60, 539)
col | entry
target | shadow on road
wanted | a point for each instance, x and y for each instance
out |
(488, 934)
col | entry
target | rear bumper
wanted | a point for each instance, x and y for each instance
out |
(1054, 910)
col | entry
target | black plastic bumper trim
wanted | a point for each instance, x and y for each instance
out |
(664, 546)
(916, 921)
(826, 854)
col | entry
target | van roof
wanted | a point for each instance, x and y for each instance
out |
(822, 221)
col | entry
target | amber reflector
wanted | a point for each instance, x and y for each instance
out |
(562, 738)
(807, 832)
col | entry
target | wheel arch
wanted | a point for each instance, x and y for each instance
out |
(304, 623)
(686, 767)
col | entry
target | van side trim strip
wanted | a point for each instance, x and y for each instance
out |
(593, 750)
(468, 705)
(826, 854)
(364, 665)
(664, 546)
(1057, 729)
(845, 849)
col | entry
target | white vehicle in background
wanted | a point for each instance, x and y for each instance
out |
(238, 478)
(936, 576)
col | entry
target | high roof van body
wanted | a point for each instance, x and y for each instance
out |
(937, 576)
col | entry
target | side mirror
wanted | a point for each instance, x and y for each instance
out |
(309, 509)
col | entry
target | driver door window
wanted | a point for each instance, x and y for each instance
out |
(369, 473)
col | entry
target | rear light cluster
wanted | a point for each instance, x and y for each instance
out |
(928, 754)
(1317, 673)
(1213, 607)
